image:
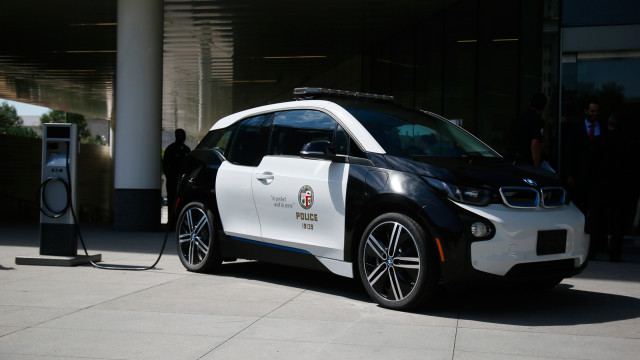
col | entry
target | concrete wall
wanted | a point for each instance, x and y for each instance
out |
(20, 166)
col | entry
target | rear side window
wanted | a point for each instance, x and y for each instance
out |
(217, 139)
(292, 129)
(250, 141)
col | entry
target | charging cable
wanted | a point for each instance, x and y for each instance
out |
(118, 267)
(47, 210)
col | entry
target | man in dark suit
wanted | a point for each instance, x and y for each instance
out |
(583, 147)
(615, 179)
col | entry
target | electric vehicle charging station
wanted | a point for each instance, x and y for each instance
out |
(58, 197)
(58, 235)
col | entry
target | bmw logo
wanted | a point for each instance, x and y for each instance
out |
(530, 182)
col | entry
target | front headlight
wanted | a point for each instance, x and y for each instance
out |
(463, 194)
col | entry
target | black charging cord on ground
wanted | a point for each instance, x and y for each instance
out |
(69, 205)
(117, 267)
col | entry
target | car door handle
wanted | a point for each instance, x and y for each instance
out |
(265, 176)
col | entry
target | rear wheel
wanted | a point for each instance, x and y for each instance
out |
(196, 241)
(395, 262)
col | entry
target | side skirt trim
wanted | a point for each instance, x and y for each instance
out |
(271, 245)
(342, 268)
(286, 255)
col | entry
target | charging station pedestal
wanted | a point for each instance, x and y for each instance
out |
(58, 190)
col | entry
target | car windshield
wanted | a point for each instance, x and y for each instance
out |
(411, 133)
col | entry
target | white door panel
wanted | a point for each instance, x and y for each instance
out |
(235, 201)
(319, 228)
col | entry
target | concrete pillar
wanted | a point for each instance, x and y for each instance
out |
(137, 142)
(204, 113)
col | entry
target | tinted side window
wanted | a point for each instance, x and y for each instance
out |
(344, 144)
(341, 143)
(217, 139)
(250, 142)
(292, 129)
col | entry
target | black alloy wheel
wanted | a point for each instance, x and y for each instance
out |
(396, 263)
(196, 238)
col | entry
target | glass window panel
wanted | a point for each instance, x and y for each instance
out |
(217, 139)
(620, 76)
(251, 140)
(293, 129)
(411, 133)
(341, 144)
(599, 12)
(460, 65)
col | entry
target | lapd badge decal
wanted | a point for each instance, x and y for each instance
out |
(305, 197)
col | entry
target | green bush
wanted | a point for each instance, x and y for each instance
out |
(19, 131)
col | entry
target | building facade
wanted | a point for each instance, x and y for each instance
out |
(478, 62)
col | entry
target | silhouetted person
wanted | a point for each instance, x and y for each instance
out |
(174, 154)
(529, 136)
(614, 178)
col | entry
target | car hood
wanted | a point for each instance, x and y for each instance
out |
(474, 171)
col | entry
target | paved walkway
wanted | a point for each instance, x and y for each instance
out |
(261, 311)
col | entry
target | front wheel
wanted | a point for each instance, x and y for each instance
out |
(196, 242)
(396, 262)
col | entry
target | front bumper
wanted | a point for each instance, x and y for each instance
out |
(513, 247)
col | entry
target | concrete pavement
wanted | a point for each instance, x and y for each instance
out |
(261, 311)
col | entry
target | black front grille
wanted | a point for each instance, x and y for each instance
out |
(553, 197)
(529, 198)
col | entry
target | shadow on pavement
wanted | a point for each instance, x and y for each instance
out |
(319, 281)
(494, 303)
(560, 306)
(629, 270)
(563, 305)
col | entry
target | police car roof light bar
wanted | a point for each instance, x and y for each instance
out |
(312, 92)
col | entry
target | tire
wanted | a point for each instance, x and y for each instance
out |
(196, 240)
(396, 262)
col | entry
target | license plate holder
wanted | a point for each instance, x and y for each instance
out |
(551, 242)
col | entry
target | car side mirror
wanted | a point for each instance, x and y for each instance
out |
(321, 149)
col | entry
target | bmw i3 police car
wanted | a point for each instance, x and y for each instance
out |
(361, 187)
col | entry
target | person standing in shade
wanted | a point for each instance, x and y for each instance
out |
(174, 154)
(529, 137)
(615, 179)
(584, 145)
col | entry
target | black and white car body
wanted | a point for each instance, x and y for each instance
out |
(361, 187)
